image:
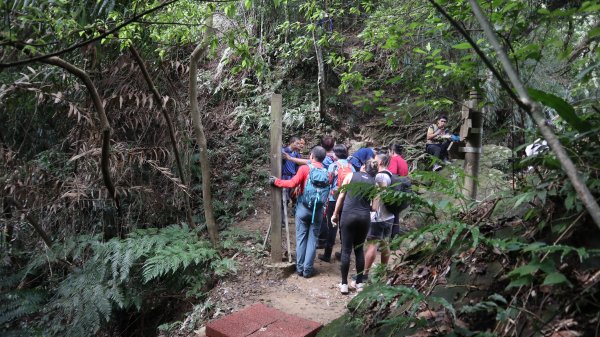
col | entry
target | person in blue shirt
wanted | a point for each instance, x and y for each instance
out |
(358, 158)
(290, 152)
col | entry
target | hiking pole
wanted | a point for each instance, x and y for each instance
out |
(287, 226)
(267, 236)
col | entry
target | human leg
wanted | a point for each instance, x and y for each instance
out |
(311, 245)
(358, 245)
(444, 151)
(348, 239)
(302, 228)
(331, 233)
(384, 243)
(434, 150)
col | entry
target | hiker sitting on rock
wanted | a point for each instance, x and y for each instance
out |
(314, 182)
(438, 140)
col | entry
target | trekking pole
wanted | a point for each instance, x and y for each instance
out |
(287, 226)
(267, 236)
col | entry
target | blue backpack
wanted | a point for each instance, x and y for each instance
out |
(316, 190)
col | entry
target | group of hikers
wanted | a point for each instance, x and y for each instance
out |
(324, 204)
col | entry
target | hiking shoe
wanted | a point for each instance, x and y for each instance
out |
(343, 289)
(357, 286)
(324, 258)
(365, 278)
(447, 162)
(338, 255)
(437, 167)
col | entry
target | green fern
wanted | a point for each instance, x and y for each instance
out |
(111, 275)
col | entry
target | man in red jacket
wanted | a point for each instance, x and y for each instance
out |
(307, 230)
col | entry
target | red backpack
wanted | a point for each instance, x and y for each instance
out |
(342, 172)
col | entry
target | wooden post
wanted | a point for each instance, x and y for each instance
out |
(276, 253)
(472, 149)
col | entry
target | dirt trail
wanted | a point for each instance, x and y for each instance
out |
(316, 298)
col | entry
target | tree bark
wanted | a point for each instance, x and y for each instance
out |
(165, 114)
(536, 113)
(320, 75)
(197, 54)
(104, 126)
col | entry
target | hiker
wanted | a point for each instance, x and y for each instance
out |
(381, 220)
(354, 222)
(338, 171)
(438, 140)
(358, 158)
(314, 182)
(327, 142)
(289, 169)
(289, 153)
(399, 167)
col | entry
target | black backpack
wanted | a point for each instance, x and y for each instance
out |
(399, 184)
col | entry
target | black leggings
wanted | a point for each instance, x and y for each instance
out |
(354, 229)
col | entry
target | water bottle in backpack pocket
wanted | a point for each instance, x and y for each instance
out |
(317, 188)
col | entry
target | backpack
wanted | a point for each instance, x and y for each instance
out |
(342, 172)
(316, 190)
(399, 184)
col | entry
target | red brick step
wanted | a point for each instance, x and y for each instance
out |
(259, 320)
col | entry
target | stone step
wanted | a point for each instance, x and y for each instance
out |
(259, 320)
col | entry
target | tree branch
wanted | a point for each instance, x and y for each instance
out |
(99, 37)
(165, 114)
(480, 53)
(104, 126)
(197, 54)
(32, 221)
(535, 111)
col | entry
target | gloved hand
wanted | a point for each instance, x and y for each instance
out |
(455, 138)
(272, 180)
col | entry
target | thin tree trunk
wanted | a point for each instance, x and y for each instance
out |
(197, 54)
(165, 114)
(535, 111)
(104, 126)
(320, 75)
(32, 221)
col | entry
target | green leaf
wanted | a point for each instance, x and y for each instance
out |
(464, 45)
(276, 3)
(593, 33)
(564, 109)
(555, 278)
(527, 269)
(248, 4)
(522, 281)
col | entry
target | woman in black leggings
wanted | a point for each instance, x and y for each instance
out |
(355, 222)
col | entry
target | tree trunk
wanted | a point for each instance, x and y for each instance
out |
(537, 115)
(165, 114)
(104, 126)
(320, 75)
(38, 229)
(197, 54)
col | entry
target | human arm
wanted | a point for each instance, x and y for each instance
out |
(296, 180)
(431, 134)
(297, 161)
